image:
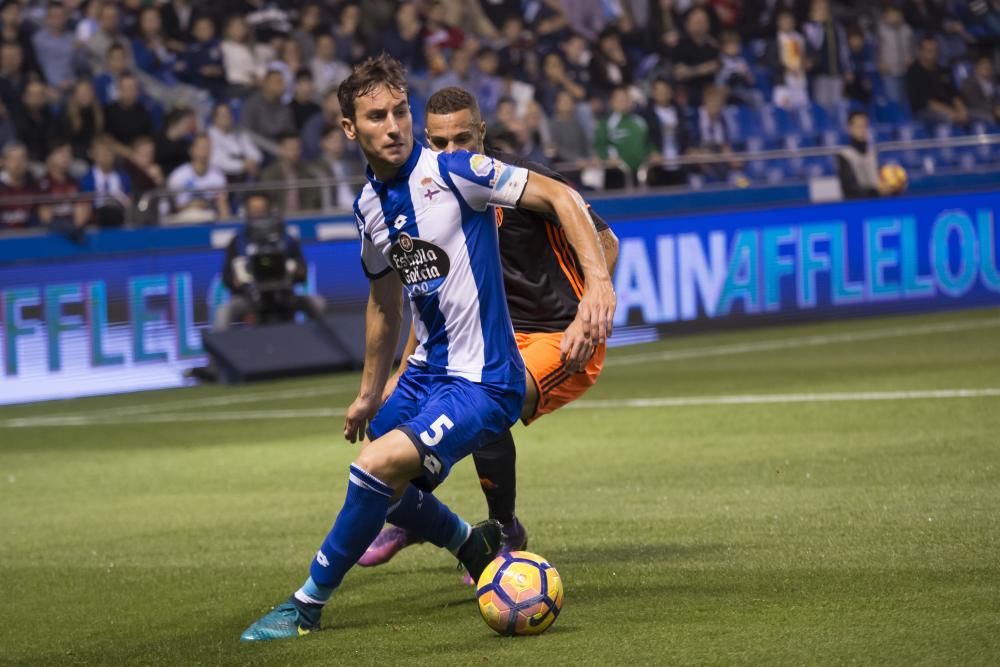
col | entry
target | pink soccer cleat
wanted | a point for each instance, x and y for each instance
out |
(387, 544)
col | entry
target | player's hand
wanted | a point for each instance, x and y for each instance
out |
(597, 311)
(576, 349)
(358, 415)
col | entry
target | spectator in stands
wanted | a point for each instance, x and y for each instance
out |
(285, 172)
(860, 78)
(36, 123)
(827, 49)
(55, 48)
(981, 92)
(84, 118)
(622, 136)
(289, 64)
(243, 63)
(711, 135)
(534, 136)
(149, 48)
(787, 53)
(126, 118)
(202, 63)
(609, 68)
(142, 171)
(489, 87)
(932, 94)
(6, 126)
(735, 74)
(107, 35)
(549, 24)
(106, 84)
(327, 70)
(895, 52)
(555, 80)
(517, 59)
(89, 23)
(668, 131)
(312, 132)
(857, 163)
(335, 161)
(233, 153)
(17, 189)
(13, 73)
(351, 46)
(697, 55)
(264, 114)
(665, 27)
(308, 30)
(586, 17)
(198, 187)
(437, 32)
(458, 74)
(403, 39)
(179, 19)
(111, 187)
(569, 139)
(470, 18)
(63, 210)
(303, 104)
(173, 143)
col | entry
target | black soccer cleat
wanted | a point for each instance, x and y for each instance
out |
(481, 548)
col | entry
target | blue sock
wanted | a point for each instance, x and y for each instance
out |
(427, 518)
(356, 526)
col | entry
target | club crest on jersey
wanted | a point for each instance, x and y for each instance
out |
(480, 165)
(421, 265)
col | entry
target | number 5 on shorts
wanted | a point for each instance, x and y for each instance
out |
(433, 435)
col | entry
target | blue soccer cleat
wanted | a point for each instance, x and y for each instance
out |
(287, 620)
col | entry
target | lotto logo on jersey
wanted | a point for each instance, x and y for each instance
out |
(422, 266)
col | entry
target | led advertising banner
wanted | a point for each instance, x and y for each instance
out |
(126, 322)
(865, 258)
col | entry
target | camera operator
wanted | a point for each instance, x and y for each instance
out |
(263, 265)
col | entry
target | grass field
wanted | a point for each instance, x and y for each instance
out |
(840, 506)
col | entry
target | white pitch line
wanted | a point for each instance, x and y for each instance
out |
(803, 341)
(636, 403)
(757, 399)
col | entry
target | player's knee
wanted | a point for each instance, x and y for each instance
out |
(393, 462)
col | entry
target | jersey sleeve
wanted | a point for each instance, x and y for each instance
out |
(483, 181)
(372, 261)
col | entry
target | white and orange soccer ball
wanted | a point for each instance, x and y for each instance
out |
(894, 177)
(519, 593)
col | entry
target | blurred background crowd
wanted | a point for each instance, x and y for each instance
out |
(125, 100)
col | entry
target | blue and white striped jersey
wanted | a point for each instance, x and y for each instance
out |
(434, 224)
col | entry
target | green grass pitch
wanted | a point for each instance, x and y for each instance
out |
(855, 520)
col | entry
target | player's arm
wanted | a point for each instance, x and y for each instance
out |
(382, 322)
(408, 350)
(609, 244)
(597, 306)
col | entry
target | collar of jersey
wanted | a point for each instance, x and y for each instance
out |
(403, 173)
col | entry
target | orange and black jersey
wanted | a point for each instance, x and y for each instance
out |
(541, 273)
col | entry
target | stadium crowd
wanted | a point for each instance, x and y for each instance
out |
(117, 99)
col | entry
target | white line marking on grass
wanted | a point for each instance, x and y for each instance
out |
(803, 341)
(757, 399)
(637, 403)
(171, 418)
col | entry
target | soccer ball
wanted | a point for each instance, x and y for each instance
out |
(519, 593)
(894, 177)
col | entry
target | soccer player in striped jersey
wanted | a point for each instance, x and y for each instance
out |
(544, 285)
(427, 226)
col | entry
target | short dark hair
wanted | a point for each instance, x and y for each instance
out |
(285, 136)
(328, 128)
(303, 73)
(452, 99)
(854, 114)
(382, 70)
